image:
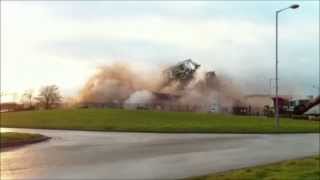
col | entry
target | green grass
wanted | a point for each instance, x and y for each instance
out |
(149, 121)
(303, 169)
(13, 138)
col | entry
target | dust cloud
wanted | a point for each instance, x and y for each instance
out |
(121, 83)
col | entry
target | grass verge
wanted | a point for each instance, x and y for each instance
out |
(9, 139)
(302, 169)
(150, 121)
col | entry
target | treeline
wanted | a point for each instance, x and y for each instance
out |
(48, 97)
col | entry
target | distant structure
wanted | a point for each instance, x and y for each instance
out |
(9, 106)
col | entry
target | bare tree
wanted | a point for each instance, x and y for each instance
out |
(49, 96)
(27, 97)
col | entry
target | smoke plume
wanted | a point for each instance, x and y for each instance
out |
(137, 98)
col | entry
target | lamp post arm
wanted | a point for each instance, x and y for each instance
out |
(280, 10)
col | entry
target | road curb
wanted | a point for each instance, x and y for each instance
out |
(41, 139)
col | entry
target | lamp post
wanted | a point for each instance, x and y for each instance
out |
(294, 6)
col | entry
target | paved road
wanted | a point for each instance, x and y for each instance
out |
(80, 154)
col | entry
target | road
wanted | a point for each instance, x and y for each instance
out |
(110, 155)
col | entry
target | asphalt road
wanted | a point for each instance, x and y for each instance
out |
(88, 155)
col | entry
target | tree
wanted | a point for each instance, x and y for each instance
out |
(27, 97)
(49, 96)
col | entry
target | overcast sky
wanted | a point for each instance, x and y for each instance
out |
(62, 42)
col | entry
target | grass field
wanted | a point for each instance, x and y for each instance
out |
(303, 169)
(148, 121)
(13, 138)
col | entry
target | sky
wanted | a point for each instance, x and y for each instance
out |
(63, 42)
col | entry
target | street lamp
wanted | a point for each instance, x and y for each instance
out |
(294, 6)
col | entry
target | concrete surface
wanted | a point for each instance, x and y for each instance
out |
(80, 154)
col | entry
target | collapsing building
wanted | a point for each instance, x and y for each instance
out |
(173, 89)
(179, 88)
